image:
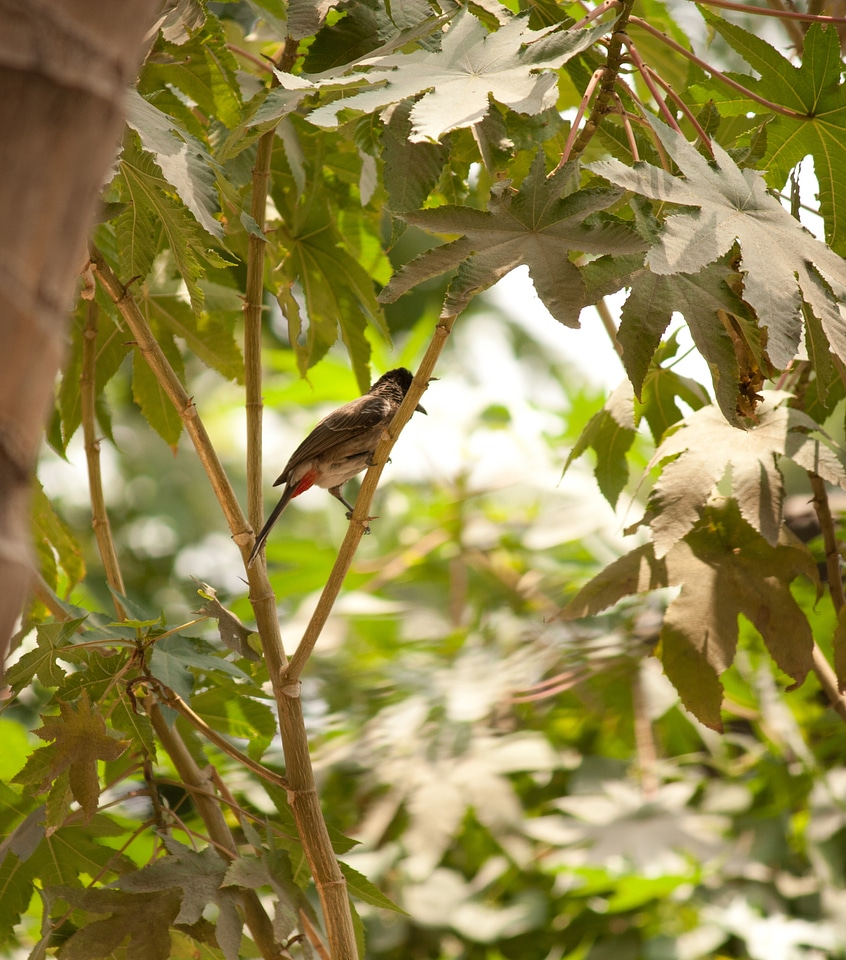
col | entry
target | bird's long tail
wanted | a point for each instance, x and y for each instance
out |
(288, 495)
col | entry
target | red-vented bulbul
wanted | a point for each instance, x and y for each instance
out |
(340, 446)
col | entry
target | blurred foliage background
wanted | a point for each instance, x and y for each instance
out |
(518, 786)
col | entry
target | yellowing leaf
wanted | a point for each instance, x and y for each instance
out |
(724, 569)
(706, 446)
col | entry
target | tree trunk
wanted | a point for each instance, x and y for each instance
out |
(64, 66)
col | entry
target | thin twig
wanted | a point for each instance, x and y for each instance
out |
(647, 752)
(828, 679)
(765, 12)
(596, 13)
(177, 394)
(173, 700)
(647, 79)
(627, 126)
(832, 551)
(685, 109)
(717, 74)
(574, 126)
(364, 499)
(604, 312)
(99, 514)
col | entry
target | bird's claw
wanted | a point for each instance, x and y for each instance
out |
(365, 522)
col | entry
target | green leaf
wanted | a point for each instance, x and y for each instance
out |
(812, 89)
(699, 297)
(360, 887)
(782, 262)
(412, 170)
(150, 396)
(111, 348)
(662, 387)
(42, 661)
(54, 541)
(199, 876)
(722, 558)
(208, 334)
(339, 292)
(143, 919)
(538, 225)
(173, 658)
(203, 69)
(514, 65)
(184, 161)
(81, 739)
(231, 712)
(153, 215)
(610, 434)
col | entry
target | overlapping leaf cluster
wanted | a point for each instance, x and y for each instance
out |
(420, 156)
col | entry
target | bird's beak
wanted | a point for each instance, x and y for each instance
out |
(420, 409)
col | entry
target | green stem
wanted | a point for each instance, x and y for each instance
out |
(717, 74)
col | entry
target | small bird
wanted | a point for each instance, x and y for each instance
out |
(340, 446)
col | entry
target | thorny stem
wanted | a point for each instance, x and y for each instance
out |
(717, 74)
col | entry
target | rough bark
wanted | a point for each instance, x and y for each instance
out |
(64, 65)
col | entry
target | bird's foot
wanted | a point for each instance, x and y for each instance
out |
(365, 522)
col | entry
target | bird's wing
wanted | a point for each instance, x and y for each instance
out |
(346, 423)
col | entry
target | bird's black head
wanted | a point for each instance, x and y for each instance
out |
(400, 377)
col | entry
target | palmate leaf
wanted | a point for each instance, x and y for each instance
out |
(514, 65)
(81, 739)
(813, 89)
(155, 214)
(705, 446)
(208, 334)
(143, 918)
(724, 569)
(184, 161)
(781, 262)
(610, 434)
(699, 297)
(538, 225)
(199, 876)
(339, 293)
